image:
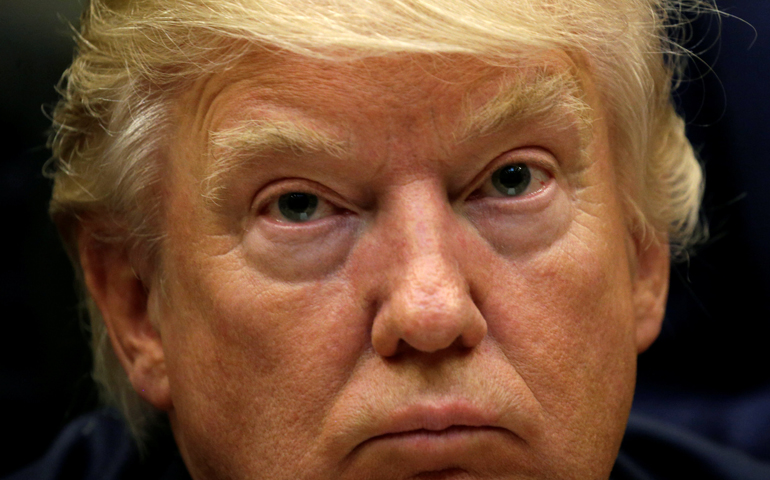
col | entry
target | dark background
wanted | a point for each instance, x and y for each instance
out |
(709, 371)
(44, 358)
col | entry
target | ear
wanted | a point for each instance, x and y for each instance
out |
(123, 300)
(650, 284)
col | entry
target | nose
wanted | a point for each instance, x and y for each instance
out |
(428, 305)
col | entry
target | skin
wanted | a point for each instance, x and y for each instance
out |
(422, 325)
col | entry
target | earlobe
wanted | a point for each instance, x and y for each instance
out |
(124, 302)
(650, 290)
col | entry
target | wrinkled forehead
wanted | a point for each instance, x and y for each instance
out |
(467, 86)
(287, 103)
(284, 73)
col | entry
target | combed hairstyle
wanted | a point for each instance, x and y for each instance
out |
(134, 57)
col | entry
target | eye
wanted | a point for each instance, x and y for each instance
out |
(515, 180)
(299, 207)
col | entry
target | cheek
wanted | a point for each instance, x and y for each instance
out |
(256, 353)
(565, 322)
(568, 306)
(559, 293)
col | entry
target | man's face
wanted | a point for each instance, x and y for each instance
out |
(397, 268)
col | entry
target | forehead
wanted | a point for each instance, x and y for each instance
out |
(390, 97)
(395, 82)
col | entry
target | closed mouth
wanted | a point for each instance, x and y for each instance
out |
(432, 440)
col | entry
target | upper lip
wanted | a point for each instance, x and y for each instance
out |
(436, 416)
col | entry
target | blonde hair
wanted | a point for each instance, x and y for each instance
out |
(135, 56)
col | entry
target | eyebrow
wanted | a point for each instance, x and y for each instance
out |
(517, 101)
(540, 98)
(233, 148)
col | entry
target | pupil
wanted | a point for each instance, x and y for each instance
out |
(512, 179)
(297, 206)
(298, 202)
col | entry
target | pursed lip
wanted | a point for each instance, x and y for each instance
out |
(436, 418)
(443, 436)
(439, 416)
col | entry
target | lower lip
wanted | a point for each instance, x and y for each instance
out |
(452, 440)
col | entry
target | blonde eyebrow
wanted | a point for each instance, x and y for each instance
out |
(517, 102)
(535, 99)
(233, 148)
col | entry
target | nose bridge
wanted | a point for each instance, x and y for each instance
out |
(427, 236)
(430, 278)
(428, 304)
(423, 234)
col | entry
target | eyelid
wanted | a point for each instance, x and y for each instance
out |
(532, 157)
(269, 195)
